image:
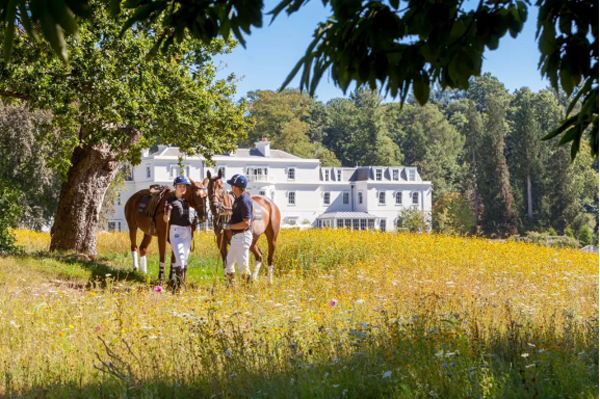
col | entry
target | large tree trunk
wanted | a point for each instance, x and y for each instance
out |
(529, 197)
(81, 196)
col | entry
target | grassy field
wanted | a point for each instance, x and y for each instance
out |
(351, 315)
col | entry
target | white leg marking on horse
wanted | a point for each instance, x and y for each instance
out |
(143, 264)
(256, 270)
(135, 260)
(271, 268)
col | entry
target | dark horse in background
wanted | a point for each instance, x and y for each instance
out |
(195, 196)
(220, 204)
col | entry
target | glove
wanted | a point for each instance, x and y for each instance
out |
(226, 226)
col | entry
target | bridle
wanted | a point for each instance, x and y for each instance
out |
(202, 205)
(217, 198)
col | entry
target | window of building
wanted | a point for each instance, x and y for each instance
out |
(360, 198)
(223, 169)
(326, 175)
(292, 174)
(340, 223)
(118, 198)
(398, 197)
(326, 198)
(291, 198)
(339, 175)
(378, 174)
(346, 198)
(371, 224)
(348, 223)
(319, 223)
(395, 174)
(356, 224)
(111, 226)
(363, 224)
(262, 192)
(127, 172)
(148, 172)
(412, 174)
(415, 198)
(382, 198)
(382, 225)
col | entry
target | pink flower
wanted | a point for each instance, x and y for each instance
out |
(333, 302)
(98, 328)
(248, 325)
(158, 288)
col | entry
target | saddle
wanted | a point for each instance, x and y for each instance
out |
(149, 204)
(257, 212)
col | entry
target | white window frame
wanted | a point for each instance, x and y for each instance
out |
(412, 175)
(224, 173)
(345, 197)
(172, 171)
(384, 223)
(339, 175)
(291, 169)
(398, 194)
(416, 193)
(327, 194)
(118, 201)
(360, 198)
(395, 175)
(379, 196)
(263, 193)
(148, 171)
(379, 172)
(291, 198)
(326, 174)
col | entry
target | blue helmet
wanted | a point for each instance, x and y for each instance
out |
(181, 180)
(238, 181)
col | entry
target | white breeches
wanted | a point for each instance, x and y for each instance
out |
(239, 252)
(181, 241)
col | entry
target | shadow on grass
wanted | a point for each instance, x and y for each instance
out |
(98, 269)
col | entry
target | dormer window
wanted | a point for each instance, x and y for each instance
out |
(291, 174)
(395, 174)
(378, 174)
(412, 175)
(327, 175)
(339, 175)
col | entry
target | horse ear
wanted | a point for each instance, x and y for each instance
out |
(208, 173)
(206, 181)
(220, 174)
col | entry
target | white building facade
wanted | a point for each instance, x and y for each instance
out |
(308, 194)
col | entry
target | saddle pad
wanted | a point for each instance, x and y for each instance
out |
(257, 212)
(142, 206)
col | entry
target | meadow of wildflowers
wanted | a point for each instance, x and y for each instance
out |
(350, 314)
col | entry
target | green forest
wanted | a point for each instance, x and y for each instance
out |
(481, 148)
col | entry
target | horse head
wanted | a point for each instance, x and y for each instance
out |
(217, 195)
(198, 195)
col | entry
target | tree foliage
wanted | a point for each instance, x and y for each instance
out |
(396, 45)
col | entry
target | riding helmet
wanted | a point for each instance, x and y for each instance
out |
(181, 180)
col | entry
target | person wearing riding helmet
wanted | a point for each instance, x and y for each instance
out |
(180, 217)
(240, 225)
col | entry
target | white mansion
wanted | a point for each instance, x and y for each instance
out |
(308, 194)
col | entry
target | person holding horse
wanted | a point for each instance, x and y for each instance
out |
(180, 218)
(240, 225)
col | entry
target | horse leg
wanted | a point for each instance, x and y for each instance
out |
(162, 249)
(272, 241)
(258, 256)
(143, 251)
(134, 254)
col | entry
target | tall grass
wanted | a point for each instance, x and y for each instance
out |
(350, 315)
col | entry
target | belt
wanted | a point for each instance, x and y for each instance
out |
(234, 232)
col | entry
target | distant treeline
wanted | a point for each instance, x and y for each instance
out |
(483, 144)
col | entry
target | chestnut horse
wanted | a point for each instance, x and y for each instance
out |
(220, 202)
(195, 195)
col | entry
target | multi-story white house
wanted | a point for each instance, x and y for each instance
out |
(308, 194)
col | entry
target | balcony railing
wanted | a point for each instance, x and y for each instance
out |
(261, 178)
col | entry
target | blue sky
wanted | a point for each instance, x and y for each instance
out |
(272, 52)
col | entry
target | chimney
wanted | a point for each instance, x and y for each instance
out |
(264, 146)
